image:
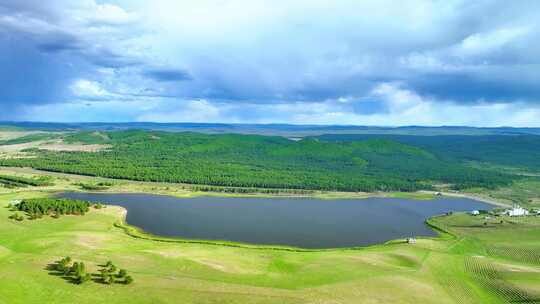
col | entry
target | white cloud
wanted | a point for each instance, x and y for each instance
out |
(397, 100)
(88, 89)
(485, 43)
(187, 111)
(112, 14)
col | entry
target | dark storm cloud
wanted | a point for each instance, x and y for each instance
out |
(29, 76)
(106, 58)
(58, 42)
(167, 74)
(464, 88)
(42, 54)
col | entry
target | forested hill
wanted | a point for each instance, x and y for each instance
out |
(374, 164)
(518, 151)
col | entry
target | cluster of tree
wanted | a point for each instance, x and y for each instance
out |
(233, 162)
(37, 207)
(100, 186)
(18, 181)
(75, 271)
(87, 137)
(110, 274)
(248, 190)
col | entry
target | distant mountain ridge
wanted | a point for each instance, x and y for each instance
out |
(287, 130)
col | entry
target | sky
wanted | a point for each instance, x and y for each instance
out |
(350, 62)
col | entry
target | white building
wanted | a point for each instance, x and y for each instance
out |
(517, 211)
(475, 212)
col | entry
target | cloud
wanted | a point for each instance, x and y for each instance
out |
(57, 43)
(88, 89)
(167, 74)
(400, 111)
(479, 44)
(111, 15)
(44, 48)
(342, 61)
(188, 110)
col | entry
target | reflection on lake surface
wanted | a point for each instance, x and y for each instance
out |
(299, 222)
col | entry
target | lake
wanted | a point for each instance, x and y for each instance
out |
(299, 222)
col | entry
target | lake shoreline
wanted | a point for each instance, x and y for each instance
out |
(419, 195)
(305, 227)
(177, 189)
(472, 197)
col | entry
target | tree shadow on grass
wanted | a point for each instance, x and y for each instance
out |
(97, 278)
(52, 269)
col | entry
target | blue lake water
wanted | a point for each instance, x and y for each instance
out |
(299, 222)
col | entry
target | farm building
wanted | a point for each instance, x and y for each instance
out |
(475, 212)
(517, 211)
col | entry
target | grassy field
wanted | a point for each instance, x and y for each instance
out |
(474, 263)
(501, 256)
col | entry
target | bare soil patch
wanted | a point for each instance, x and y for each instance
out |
(56, 145)
(7, 135)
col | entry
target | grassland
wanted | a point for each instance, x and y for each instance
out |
(475, 260)
(472, 263)
(525, 192)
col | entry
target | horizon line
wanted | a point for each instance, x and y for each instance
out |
(258, 124)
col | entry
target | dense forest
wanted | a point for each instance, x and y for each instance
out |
(519, 151)
(261, 161)
(18, 181)
(37, 207)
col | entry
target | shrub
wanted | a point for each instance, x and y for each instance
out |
(16, 216)
(83, 278)
(122, 273)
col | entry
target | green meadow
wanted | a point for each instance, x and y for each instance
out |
(475, 261)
